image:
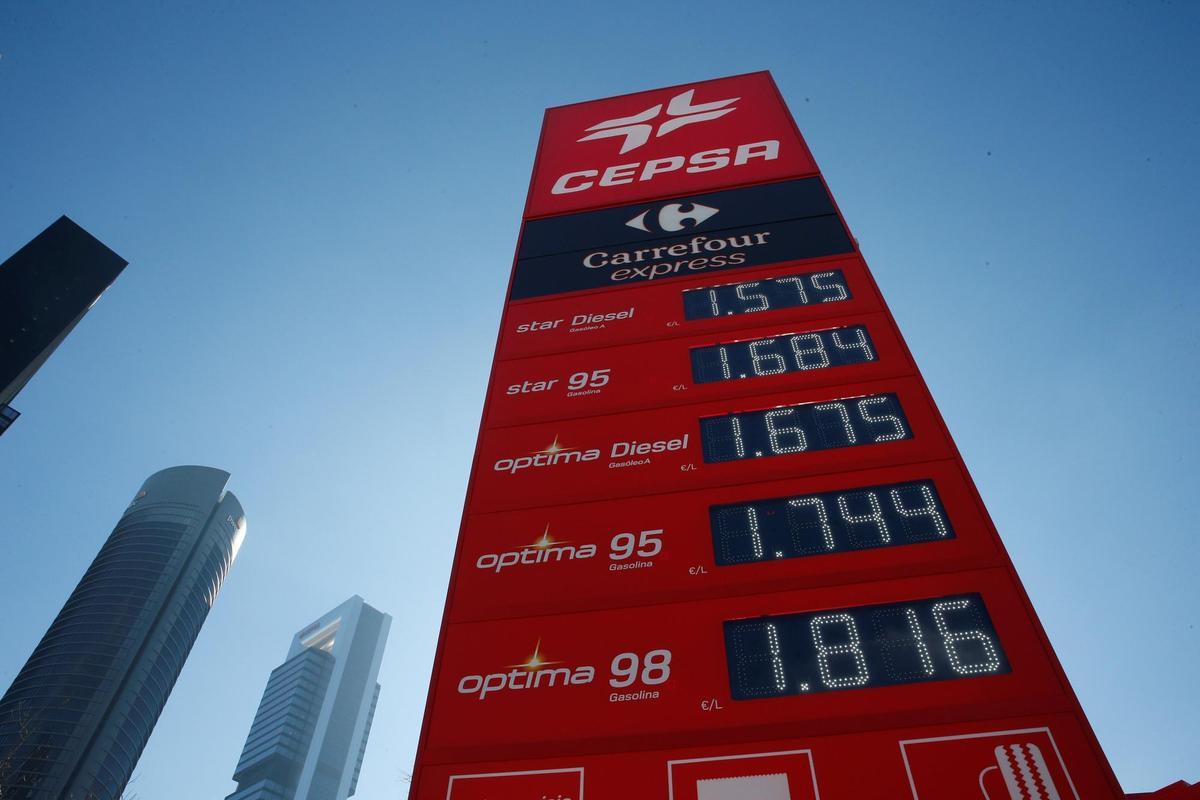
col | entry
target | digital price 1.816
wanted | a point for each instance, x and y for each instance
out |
(943, 638)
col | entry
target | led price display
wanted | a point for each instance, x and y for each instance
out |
(830, 522)
(775, 355)
(809, 426)
(943, 638)
(788, 291)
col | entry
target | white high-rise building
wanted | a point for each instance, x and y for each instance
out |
(309, 736)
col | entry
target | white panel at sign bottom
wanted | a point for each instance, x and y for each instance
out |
(751, 787)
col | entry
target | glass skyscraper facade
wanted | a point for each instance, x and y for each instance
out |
(309, 736)
(45, 289)
(79, 713)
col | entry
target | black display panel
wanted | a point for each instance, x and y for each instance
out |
(938, 639)
(651, 221)
(685, 256)
(775, 355)
(831, 522)
(847, 422)
(769, 294)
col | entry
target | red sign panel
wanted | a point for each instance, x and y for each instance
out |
(652, 311)
(718, 543)
(657, 374)
(1044, 757)
(665, 548)
(689, 138)
(636, 673)
(664, 450)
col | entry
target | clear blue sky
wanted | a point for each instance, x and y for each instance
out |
(319, 204)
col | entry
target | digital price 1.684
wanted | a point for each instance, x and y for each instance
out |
(775, 355)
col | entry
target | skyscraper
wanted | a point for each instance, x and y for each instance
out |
(309, 736)
(45, 289)
(79, 713)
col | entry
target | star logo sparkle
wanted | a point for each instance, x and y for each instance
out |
(545, 540)
(554, 448)
(536, 660)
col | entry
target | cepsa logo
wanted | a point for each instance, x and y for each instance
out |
(668, 141)
(537, 672)
(679, 112)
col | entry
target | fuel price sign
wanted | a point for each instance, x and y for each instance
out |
(718, 543)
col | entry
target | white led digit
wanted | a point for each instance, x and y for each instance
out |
(712, 301)
(842, 294)
(822, 519)
(898, 429)
(798, 283)
(715, 439)
(755, 536)
(840, 408)
(950, 640)
(758, 360)
(860, 342)
(735, 426)
(914, 625)
(773, 432)
(750, 651)
(852, 647)
(891, 642)
(739, 521)
(929, 509)
(724, 357)
(816, 347)
(875, 517)
(776, 661)
(739, 290)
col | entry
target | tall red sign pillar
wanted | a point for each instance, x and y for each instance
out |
(718, 543)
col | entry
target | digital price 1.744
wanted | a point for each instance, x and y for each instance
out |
(831, 522)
